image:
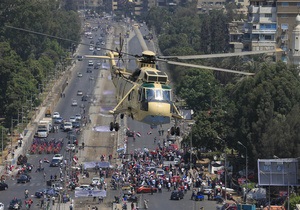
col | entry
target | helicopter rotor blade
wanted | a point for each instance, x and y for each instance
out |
(211, 68)
(140, 37)
(221, 55)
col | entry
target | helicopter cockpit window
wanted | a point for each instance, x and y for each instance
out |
(150, 94)
(167, 95)
(158, 95)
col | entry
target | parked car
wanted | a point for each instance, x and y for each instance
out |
(3, 186)
(47, 191)
(79, 74)
(24, 178)
(89, 70)
(60, 157)
(55, 163)
(1, 206)
(71, 147)
(146, 189)
(84, 187)
(176, 195)
(206, 190)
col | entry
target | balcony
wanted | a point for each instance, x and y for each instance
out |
(267, 10)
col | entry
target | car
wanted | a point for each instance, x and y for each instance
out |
(95, 181)
(160, 172)
(71, 147)
(206, 190)
(3, 186)
(55, 163)
(84, 98)
(78, 117)
(177, 195)
(129, 133)
(90, 37)
(91, 77)
(1, 206)
(23, 178)
(98, 48)
(126, 186)
(72, 119)
(67, 126)
(74, 103)
(79, 93)
(90, 63)
(89, 70)
(47, 191)
(76, 124)
(146, 189)
(102, 43)
(15, 204)
(96, 67)
(92, 42)
(84, 187)
(79, 57)
(58, 156)
(58, 120)
(72, 138)
(55, 115)
(79, 74)
(91, 48)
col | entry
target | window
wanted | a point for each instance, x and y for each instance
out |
(284, 4)
(150, 94)
(268, 37)
(268, 15)
(167, 95)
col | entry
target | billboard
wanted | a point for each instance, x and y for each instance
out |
(278, 172)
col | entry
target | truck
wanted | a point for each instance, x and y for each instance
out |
(44, 127)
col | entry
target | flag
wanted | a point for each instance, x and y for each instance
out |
(138, 134)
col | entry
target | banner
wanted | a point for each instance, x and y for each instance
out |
(90, 193)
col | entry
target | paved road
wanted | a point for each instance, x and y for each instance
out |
(66, 110)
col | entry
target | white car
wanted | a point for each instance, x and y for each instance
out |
(91, 48)
(79, 93)
(71, 147)
(98, 48)
(72, 119)
(58, 157)
(95, 180)
(84, 187)
(91, 63)
(79, 74)
(74, 103)
(67, 126)
(1, 206)
(78, 117)
(56, 115)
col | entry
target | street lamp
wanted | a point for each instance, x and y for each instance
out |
(240, 143)
(225, 162)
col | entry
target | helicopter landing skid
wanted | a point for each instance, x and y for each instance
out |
(114, 125)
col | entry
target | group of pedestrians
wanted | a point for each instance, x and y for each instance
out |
(28, 202)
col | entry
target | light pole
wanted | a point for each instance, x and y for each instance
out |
(240, 143)
(225, 162)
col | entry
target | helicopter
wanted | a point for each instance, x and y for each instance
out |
(145, 94)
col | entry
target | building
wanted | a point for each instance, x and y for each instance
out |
(287, 11)
(261, 27)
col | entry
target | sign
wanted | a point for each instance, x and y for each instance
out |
(278, 172)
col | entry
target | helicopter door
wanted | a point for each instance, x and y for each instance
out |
(142, 99)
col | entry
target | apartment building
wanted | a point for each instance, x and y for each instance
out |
(261, 26)
(287, 11)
